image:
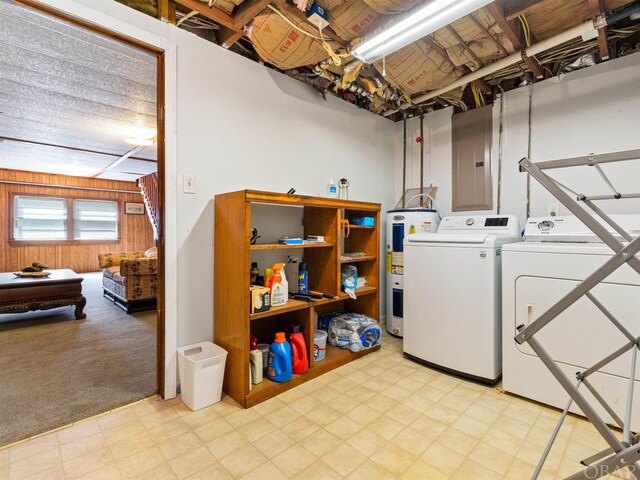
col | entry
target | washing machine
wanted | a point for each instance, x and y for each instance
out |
(452, 294)
(557, 254)
(401, 223)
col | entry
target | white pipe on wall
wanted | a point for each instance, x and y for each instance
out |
(577, 31)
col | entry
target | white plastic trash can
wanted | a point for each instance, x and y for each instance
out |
(201, 367)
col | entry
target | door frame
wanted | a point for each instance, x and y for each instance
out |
(166, 54)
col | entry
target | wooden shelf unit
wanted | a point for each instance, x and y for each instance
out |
(279, 246)
(232, 250)
(366, 258)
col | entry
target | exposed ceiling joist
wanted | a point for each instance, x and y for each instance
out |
(481, 84)
(443, 53)
(515, 8)
(243, 15)
(464, 45)
(509, 28)
(247, 10)
(227, 37)
(513, 31)
(598, 7)
(212, 13)
(488, 34)
(167, 11)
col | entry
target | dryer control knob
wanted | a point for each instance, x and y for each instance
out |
(470, 221)
(545, 225)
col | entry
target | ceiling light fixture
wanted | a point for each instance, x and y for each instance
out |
(433, 16)
(144, 142)
(141, 135)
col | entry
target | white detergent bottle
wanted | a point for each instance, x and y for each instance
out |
(279, 286)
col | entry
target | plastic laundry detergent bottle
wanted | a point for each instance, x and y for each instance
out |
(299, 350)
(279, 363)
(279, 286)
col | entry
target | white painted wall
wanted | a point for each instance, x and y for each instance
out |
(592, 110)
(240, 125)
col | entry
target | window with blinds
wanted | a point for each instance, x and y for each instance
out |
(39, 218)
(64, 219)
(95, 220)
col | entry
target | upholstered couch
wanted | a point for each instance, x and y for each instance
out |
(130, 279)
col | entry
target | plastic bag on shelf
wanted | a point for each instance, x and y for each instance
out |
(349, 277)
(354, 331)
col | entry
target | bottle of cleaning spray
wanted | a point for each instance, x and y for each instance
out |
(303, 278)
(279, 286)
(332, 190)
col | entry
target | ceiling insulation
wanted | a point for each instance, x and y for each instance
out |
(286, 41)
(417, 67)
(472, 38)
(553, 16)
(350, 18)
(279, 43)
(63, 86)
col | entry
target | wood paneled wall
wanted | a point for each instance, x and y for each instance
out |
(135, 230)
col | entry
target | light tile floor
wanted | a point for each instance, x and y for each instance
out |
(379, 417)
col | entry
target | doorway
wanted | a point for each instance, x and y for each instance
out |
(81, 145)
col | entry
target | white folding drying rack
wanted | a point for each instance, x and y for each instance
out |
(625, 452)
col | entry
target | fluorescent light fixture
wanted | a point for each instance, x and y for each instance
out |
(433, 16)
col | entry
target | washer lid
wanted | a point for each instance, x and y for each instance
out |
(419, 238)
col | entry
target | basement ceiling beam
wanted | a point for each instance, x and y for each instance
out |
(213, 13)
(509, 28)
(515, 8)
(464, 45)
(484, 86)
(488, 34)
(441, 51)
(167, 11)
(481, 84)
(227, 37)
(248, 9)
(242, 15)
(598, 7)
(512, 31)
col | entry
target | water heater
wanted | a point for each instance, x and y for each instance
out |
(401, 223)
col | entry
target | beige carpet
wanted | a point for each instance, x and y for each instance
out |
(55, 369)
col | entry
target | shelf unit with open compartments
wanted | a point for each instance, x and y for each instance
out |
(235, 213)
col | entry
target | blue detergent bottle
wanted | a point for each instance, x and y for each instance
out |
(279, 363)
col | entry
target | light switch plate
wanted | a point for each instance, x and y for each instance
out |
(188, 184)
